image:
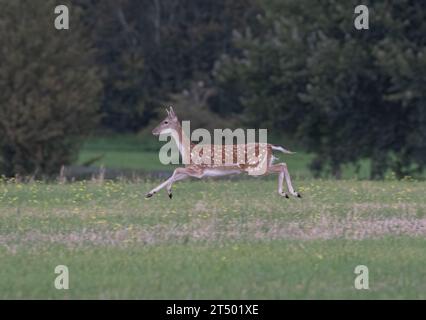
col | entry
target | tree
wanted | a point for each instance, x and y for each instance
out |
(152, 50)
(50, 87)
(120, 54)
(345, 94)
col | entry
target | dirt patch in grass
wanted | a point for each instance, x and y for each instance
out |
(213, 230)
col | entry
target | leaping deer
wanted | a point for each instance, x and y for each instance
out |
(188, 150)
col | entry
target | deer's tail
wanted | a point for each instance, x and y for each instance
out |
(282, 149)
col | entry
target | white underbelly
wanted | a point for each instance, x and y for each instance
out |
(220, 172)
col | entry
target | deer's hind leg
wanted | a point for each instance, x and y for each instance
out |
(288, 181)
(283, 173)
(277, 168)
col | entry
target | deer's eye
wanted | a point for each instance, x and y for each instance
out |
(166, 122)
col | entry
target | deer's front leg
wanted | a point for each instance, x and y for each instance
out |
(158, 188)
(177, 177)
(183, 173)
(178, 174)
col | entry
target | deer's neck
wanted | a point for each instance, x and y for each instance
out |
(183, 143)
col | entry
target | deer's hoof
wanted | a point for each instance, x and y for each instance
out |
(170, 195)
(148, 195)
(298, 195)
(283, 194)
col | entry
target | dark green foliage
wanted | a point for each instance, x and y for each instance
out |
(50, 88)
(152, 49)
(346, 94)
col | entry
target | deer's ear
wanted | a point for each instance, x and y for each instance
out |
(172, 113)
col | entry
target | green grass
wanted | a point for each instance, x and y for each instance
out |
(142, 160)
(123, 152)
(214, 240)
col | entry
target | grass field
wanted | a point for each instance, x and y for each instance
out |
(215, 239)
(123, 152)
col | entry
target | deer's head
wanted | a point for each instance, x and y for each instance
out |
(169, 124)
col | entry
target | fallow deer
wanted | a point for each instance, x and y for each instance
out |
(171, 125)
